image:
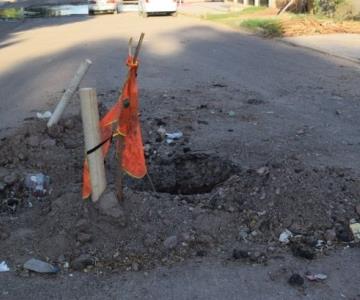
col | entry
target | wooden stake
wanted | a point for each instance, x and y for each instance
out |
(74, 84)
(120, 139)
(90, 119)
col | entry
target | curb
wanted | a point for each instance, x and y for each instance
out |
(353, 60)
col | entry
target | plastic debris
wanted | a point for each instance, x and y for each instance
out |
(316, 277)
(285, 236)
(355, 229)
(40, 266)
(171, 137)
(44, 115)
(37, 183)
(4, 267)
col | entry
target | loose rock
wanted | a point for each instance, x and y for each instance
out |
(296, 280)
(82, 262)
(171, 242)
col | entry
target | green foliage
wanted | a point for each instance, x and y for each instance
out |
(222, 16)
(11, 13)
(268, 27)
(327, 7)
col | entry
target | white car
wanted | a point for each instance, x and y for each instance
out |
(102, 6)
(147, 7)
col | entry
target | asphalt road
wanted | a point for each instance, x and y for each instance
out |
(39, 57)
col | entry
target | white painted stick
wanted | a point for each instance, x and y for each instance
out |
(90, 119)
(74, 84)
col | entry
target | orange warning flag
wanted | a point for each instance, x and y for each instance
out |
(122, 119)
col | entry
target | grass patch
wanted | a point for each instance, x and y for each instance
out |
(268, 27)
(235, 14)
(11, 13)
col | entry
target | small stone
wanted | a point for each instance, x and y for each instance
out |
(69, 124)
(55, 131)
(244, 232)
(344, 234)
(82, 224)
(3, 172)
(330, 235)
(48, 143)
(239, 254)
(2, 186)
(357, 209)
(10, 179)
(84, 238)
(135, 266)
(82, 262)
(149, 241)
(171, 242)
(262, 171)
(108, 205)
(21, 156)
(296, 280)
(33, 141)
(258, 257)
(71, 143)
(231, 113)
(4, 235)
(303, 250)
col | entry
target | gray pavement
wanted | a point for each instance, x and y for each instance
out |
(340, 45)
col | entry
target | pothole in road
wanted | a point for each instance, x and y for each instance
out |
(187, 174)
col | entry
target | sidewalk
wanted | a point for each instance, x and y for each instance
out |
(341, 45)
(201, 8)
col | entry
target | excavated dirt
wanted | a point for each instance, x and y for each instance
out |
(203, 204)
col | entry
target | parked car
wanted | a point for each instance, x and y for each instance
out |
(147, 7)
(96, 6)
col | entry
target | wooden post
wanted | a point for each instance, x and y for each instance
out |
(74, 84)
(90, 119)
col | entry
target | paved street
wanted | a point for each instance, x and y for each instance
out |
(342, 45)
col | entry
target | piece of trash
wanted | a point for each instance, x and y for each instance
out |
(316, 277)
(37, 183)
(4, 267)
(355, 229)
(285, 236)
(40, 266)
(175, 135)
(44, 115)
(171, 137)
(231, 113)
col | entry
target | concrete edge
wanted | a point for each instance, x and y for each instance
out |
(289, 43)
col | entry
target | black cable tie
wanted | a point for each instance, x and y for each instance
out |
(100, 145)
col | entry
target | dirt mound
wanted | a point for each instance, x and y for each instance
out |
(203, 205)
(311, 26)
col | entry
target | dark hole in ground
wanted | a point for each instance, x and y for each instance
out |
(187, 174)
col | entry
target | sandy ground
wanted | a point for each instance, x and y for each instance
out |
(247, 100)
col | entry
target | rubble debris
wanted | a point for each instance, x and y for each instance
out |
(296, 280)
(4, 267)
(82, 262)
(303, 250)
(315, 277)
(40, 266)
(171, 242)
(285, 236)
(355, 229)
(44, 115)
(37, 183)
